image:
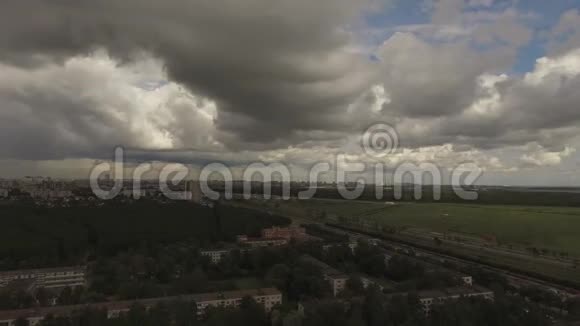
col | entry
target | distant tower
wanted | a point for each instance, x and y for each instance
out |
(193, 189)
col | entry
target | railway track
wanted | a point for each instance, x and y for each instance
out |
(515, 279)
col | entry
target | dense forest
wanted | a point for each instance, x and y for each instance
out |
(37, 236)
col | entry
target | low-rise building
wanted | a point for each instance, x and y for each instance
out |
(467, 280)
(370, 281)
(3, 193)
(215, 255)
(262, 242)
(430, 298)
(387, 257)
(47, 194)
(50, 278)
(288, 233)
(352, 245)
(268, 298)
(336, 278)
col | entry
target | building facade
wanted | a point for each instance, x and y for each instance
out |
(267, 297)
(430, 298)
(288, 233)
(50, 278)
(262, 242)
(335, 278)
(215, 256)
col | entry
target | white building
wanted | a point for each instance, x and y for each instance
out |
(48, 277)
(430, 298)
(268, 298)
(352, 245)
(467, 280)
(47, 194)
(261, 242)
(336, 279)
(368, 281)
(337, 282)
(215, 255)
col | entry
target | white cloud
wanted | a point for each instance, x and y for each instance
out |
(540, 157)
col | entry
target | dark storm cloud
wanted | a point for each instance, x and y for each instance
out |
(433, 80)
(282, 75)
(49, 114)
(272, 67)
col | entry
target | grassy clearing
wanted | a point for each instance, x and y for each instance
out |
(543, 227)
(554, 228)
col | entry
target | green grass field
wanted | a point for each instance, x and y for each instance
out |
(554, 228)
(543, 227)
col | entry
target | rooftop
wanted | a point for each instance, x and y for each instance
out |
(43, 270)
(452, 292)
(325, 268)
(123, 305)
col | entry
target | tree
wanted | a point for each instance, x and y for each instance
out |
(21, 322)
(306, 280)
(326, 313)
(42, 297)
(184, 313)
(66, 296)
(159, 316)
(292, 319)
(137, 316)
(355, 285)
(437, 241)
(252, 313)
(192, 283)
(374, 308)
(574, 308)
(278, 276)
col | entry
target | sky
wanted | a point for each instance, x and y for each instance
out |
(490, 82)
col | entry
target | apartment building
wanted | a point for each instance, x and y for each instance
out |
(352, 245)
(371, 281)
(336, 278)
(288, 233)
(261, 242)
(217, 255)
(267, 297)
(430, 298)
(51, 278)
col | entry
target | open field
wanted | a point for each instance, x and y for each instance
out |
(554, 228)
(551, 230)
(542, 227)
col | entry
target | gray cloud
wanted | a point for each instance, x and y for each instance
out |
(281, 80)
(431, 80)
(565, 36)
(272, 68)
